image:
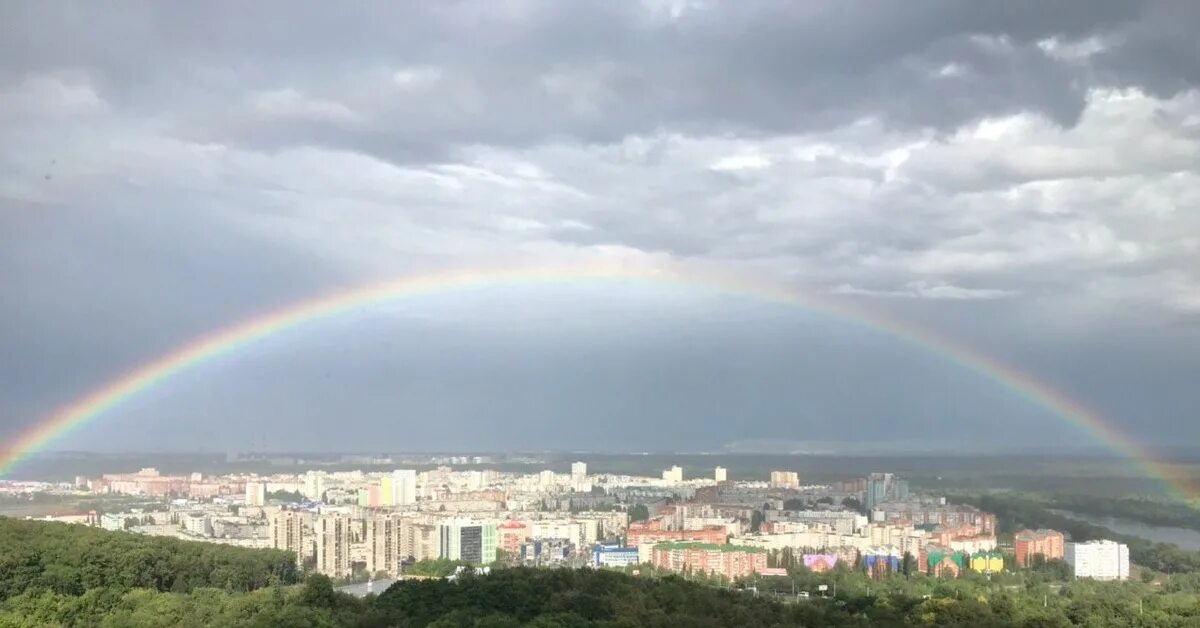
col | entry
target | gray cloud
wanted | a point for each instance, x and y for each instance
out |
(170, 168)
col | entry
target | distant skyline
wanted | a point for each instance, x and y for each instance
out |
(1024, 181)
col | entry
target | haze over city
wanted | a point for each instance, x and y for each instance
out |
(1019, 180)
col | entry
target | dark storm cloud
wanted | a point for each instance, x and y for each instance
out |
(73, 323)
(1020, 176)
(521, 73)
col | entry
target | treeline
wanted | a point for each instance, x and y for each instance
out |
(1147, 510)
(61, 575)
(1015, 512)
(591, 598)
(72, 560)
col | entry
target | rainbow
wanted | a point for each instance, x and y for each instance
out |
(233, 338)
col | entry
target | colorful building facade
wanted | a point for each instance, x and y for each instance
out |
(730, 561)
(942, 562)
(639, 535)
(820, 563)
(987, 562)
(1029, 543)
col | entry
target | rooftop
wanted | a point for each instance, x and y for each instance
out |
(710, 547)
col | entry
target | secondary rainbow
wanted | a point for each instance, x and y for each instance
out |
(95, 403)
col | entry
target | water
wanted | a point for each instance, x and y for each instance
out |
(1185, 538)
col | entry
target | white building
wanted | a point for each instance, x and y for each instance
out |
(674, 475)
(333, 536)
(578, 471)
(288, 531)
(785, 479)
(314, 485)
(719, 474)
(256, 493)
(384, 544)
(1102, 560)
(404, 487)
(197, 523)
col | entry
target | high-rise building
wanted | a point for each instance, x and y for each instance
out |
(404, 487)
(386, 492)
(332, 533)
(1102, 560)
(785, 479)
(469, 541)
(314, 485)
(256, 493)
(1045, 543)
(384, 535)
(885, 487)
(287, 532)
(719, 474)
(673, 475)
(578, 471)
(420, 541)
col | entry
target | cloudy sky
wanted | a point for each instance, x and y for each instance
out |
(1019, 179)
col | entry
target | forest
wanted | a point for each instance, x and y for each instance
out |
(72, 560)
(1016, 511)
(61, 575)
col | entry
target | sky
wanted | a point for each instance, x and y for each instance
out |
(1019, 179)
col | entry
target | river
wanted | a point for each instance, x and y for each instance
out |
(1186, 538)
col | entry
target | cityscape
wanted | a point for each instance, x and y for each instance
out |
(356, 526)
(600, 314)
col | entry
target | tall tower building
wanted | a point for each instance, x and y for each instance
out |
(256, 493)
(404, 487)
(578, 471)
(469, 541)
(383, 543)
(884, 487)
(719, 474)
(421, 541)
(287, 531)
(332, 533)
(314, 485)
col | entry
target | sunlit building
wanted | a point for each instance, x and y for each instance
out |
(1027, 544)
(383, 535)
(943, 562)
(403, 487)
(314, 485)
(470, 541)
(256, 493)
(785, 479)
(287, 530)
(1101, 560)
(730, 561)
(674, 475)
(332, 533)
(987, 562)
(820, 563)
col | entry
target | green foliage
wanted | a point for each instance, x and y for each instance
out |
(1148, 510)
(437, 568)
(41, 589)
(71, 559)
(639, 512)
(1022, 511)
(289, 497)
